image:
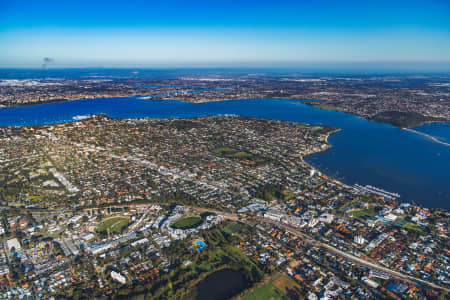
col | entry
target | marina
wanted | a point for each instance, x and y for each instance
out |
(378, 191)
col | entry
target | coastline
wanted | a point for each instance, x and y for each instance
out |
(369, 118)
(427, 122)
(336, 130)
(138, 97)
(308, 102)
(352, 185)
(327, 162)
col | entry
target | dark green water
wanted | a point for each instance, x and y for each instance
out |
(221, 285)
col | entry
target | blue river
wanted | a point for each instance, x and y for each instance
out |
(362, 152)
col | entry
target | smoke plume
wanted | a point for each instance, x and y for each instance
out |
(47, 60)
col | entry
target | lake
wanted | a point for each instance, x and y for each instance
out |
(363, 152)
(221, 285)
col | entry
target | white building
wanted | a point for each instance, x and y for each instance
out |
(118, 277)
(273, 215)
(13, 243)
(369, 282)
(313, 222)
(326, 218)
(359, 239)
(390, 217)
(88, 236)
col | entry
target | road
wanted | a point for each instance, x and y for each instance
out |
(347, 256)
(309, 239)
(357, 260)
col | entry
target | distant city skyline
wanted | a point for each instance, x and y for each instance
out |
(341, 34)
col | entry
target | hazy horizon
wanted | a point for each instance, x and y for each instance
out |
(404, 35)
(324, 68)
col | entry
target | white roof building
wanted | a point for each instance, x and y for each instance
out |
(14, 243)
(118, 277)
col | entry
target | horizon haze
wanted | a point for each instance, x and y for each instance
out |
(405, 35)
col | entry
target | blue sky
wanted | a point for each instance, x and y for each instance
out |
(226, 33)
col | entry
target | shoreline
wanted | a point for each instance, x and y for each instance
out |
(138, 97)
(302, 157)
(309, 102)
(346, 184)
(336, 130)
(427, 122)
(368, 118)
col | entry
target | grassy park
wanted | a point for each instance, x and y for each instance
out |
(187, 222)
(412, 227)
(113, 224)
(241, 155)
(267, 292)
(233, 153)
(369, 212)
(276, 289)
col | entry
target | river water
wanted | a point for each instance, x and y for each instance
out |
(363, 152)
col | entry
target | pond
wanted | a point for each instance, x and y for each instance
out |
(221, 285)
